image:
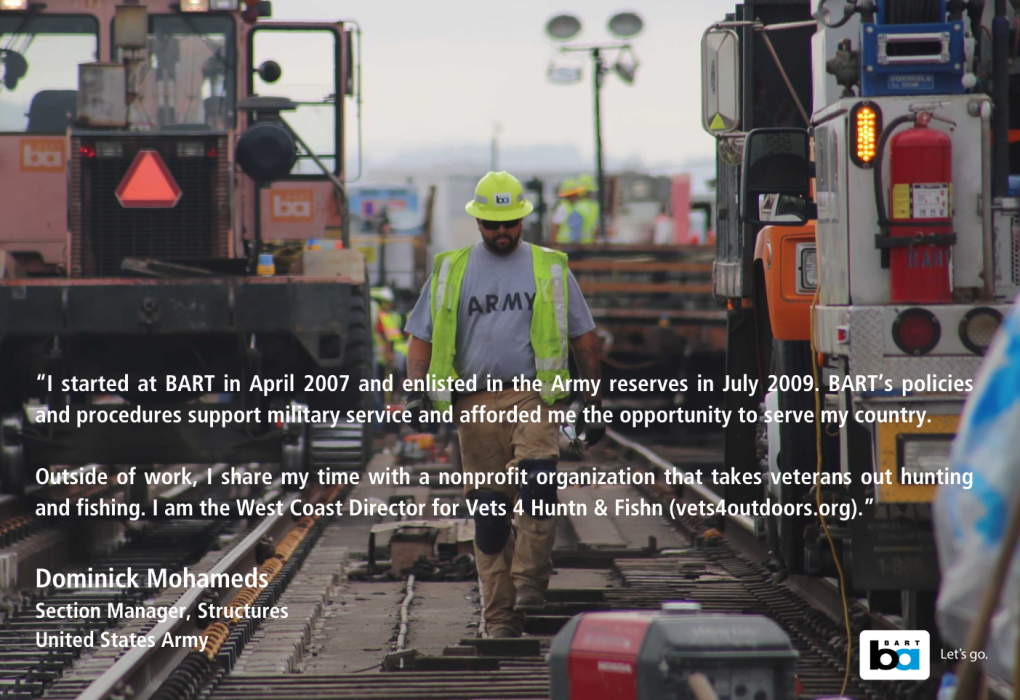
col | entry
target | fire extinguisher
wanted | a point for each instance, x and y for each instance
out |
(921, 211)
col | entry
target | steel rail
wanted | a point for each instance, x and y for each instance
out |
(821, 593)
(142, 667)
(741, 521)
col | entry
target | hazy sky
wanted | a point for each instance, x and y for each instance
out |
(441, 73)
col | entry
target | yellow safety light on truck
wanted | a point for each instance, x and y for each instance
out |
(865, 124)
(16, 5)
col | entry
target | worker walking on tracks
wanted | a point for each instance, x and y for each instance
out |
(499, 310)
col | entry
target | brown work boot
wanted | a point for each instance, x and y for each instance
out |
(503, 633)
(529, 598)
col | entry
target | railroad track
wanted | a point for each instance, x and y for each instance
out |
(32, 539)
(272, 547)
(36, 652)
(602, 564)
(45, 631)
(165, 672)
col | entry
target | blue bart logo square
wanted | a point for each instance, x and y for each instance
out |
(901, 655)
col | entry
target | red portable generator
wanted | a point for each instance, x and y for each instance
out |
(651, 655)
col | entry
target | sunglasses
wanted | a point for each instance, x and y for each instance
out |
(494, 225)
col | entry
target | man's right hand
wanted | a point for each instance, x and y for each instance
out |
(418, 401)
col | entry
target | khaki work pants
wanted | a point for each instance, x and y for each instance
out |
(498, 447)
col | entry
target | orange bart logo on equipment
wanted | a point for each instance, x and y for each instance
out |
(292, 205)
(42, 155)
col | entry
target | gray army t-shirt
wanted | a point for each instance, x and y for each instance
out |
(494, 315)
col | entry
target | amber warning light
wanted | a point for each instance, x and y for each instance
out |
(148, 183)
(866, 127)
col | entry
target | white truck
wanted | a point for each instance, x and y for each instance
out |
(876, 253)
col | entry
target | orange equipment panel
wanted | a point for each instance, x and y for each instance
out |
(789, 309)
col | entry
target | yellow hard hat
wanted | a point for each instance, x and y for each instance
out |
(569, 187)
(499, 197)
(586, 183)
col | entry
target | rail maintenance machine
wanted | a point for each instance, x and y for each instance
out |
(142, 172)
(869, 247)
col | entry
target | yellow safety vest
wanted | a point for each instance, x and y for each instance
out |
(564, 234)
(589, 210)
(548, 321)
(391, 328)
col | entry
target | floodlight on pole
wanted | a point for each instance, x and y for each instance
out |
(563, 27)
(626, 65)
(560, 74)
(623, 25)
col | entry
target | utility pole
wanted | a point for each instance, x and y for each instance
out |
(623, 25)
(597, 58)
(384, 230)
(494, 151)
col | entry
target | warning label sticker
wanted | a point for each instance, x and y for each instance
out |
(930, 201)
(901, 201)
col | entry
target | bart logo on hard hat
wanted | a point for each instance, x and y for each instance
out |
(502, 199)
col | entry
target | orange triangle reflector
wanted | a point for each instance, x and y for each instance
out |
(148, 183)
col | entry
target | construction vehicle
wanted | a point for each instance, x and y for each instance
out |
(652, 301)
(147, 152)
(866, 247)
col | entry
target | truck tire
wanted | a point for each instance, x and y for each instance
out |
(767, 527)
(357, 357)
(797, 451)
(358, 361)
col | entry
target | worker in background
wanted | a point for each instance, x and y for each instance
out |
(499, 310)
(388, 328)
(664, 228)
(381, 348)
(588, 205)
(391, 325)
(568, 220)
(380, 351)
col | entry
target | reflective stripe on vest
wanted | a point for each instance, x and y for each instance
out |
(548, 321)
(553, 362)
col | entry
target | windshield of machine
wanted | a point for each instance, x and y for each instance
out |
(185, 81)
(307, 61)
(39, 57)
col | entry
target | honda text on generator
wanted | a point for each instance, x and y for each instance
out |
(887, 260)
(143, 177)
